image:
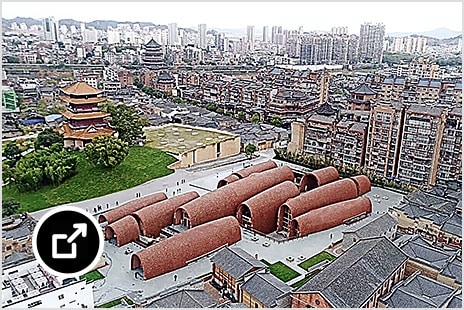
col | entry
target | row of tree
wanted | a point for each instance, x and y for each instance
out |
(315, 162)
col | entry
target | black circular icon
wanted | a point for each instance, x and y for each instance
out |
(68, 241)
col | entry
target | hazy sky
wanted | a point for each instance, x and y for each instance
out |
(397, 16)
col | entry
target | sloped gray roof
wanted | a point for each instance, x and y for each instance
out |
(453, 270)
(364, 90)
(418, 249)
(373, 226)
(453, 225)
(236, 261)
(186, 298)
(419, 291)
(414, 211)
(456, 302)
(266, 288)
(354, 276)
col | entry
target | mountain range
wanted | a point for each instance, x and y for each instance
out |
(439, 33)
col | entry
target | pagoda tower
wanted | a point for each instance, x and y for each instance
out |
(153, 55)
(84, 119)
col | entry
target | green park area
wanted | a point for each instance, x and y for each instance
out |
(92, 276)
(179, 139)
(141, 165)
(316, 259)
(281, 271)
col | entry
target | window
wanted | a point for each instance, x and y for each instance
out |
(8, 247)
(60, 296)
(317, 302)
(256, 305)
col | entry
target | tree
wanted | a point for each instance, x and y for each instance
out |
(42, 108)
(9, 207)
(250, 149)
(47, 138)
(276, 121)
(127, 122)
(106, 150)
(255, 119)
(12, 152)
(241, 116)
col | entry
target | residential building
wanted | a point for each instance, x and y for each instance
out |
(420, 146)
(428, 91)
(173, 34)
(349, 144)
(50, 29)
(201, 36)
(318, 135)
(392, 89)
(450, 157)
(371, 38)
(28, 285)
(384, 139)
(9, 99)
(356, 279)
(265, 34)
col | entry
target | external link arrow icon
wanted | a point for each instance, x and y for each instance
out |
(81, 228)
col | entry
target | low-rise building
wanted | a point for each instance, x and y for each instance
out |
(264, 290)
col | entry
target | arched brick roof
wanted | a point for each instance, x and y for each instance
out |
(263, 207)
(224, 201)
(362, 183)
(154, 217)
(243, 173)
(321, 196)
(318, 177)
(329, 216)
(174, 253)
(130, 207)
(125, 230)
(227, 180)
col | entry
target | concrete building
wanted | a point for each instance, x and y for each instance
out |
(17, 235)
(173, 34)
(201, 36)
(371, 38)
(384, 139)
(29, 286)
(266, 34)
(450, 158)
(51, 29)
(420, 146)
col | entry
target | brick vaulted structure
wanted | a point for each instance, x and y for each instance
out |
(123, 231)
(130, 207)
(84, 119)
(321, 196)
(154, 217)
(224, 201)
(243, 173)
(175, 252)
(260, 212)
(318, 178)
(328, 216)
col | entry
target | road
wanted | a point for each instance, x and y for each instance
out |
(200, 181)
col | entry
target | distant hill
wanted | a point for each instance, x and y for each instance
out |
(439, 33)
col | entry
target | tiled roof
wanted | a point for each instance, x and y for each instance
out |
(185, 298)
(453, 224)
(453, 270)
(236, 262)
(81, 88)
(125, 230)
(84, 134)
(373, 226)
(68, 99)
(355, 275)
(415, 211)
(266, 288)
(90, 115)
(418, 249)
(363, 89)
(419, 291)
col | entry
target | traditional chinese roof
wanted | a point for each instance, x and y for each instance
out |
(68, 99)
(90, 115)
(363, 89)
(84, 134)
(81, 88)
(152, 43)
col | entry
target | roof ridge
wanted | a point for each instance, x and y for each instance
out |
(257, 273)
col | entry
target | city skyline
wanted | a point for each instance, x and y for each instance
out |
(395, 16)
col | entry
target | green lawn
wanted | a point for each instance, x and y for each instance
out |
(300, 283)
(316, 259)
(282, 271)
(116, 302)
(141, 165)
(92, 276)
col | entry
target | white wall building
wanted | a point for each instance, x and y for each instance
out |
(29, 286)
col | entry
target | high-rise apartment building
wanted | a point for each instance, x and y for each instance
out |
(201, 36)
(420, 147)
(266, 34)
(250, 37)
(51, 29)
(371, 38)
(173, 35)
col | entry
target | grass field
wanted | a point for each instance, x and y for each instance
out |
(141, 165)
(281, 271)
(92, 276)
(116, 302)
(316, 259)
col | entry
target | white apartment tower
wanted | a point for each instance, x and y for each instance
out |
(202, 36)
(371, 38)
(51, 29)
(173, 36)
